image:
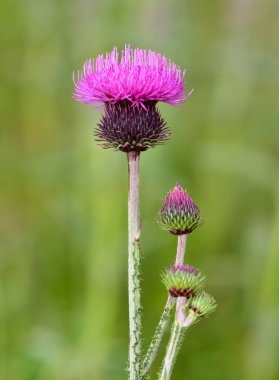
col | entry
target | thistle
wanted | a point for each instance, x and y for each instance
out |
(182, 281)
(179, 214)
(202, 305)
(129, 86)
(198, 306)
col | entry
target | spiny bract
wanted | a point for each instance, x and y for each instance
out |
(203, 304)
(131, 128)
(182, 280)
(179, 214)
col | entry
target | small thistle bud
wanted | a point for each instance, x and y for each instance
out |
(202, 305)
(182, 280)
(179, 213)
(127, 127)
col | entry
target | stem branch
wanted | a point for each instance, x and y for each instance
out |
(157, 338)
(177, 329)
(176, 338)
(165, 317)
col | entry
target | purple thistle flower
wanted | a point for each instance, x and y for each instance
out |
(179, 214)
(138, 76)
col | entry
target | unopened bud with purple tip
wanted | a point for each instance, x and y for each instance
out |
(179, 214)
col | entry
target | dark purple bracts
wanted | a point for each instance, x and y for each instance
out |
(128, 127)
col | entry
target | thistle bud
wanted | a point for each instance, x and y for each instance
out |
(179, 214)
(182, 280)
(202, 305)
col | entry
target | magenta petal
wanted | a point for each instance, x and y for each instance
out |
(136, 75)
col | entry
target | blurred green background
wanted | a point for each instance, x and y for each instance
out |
(63, 263)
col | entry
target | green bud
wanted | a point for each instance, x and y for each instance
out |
(182, 280)
(179, 214)
(202, 305)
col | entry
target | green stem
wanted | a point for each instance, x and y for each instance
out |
(177, 329)
(134, 267)
(165, 317)
(157, 338)
(176, 338)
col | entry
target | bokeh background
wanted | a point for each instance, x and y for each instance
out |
(63, 294)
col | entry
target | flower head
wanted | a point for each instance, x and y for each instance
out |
(137, 76)
(131, 128)
(202, 305)
(179, 214)
(182, 280)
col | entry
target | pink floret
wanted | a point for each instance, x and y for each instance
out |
(178, 197)
(184, 268)
(138, 76)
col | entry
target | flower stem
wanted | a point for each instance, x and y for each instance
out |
(157, 338)
(181, 247)
(134, 267)
(165, 317)
(176, 338)
(177, 329)
(180, 254)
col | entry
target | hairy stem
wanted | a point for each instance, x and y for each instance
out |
(165, 317)
(157, 338)
(177, 329)
(176, 338)
(134, 267)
